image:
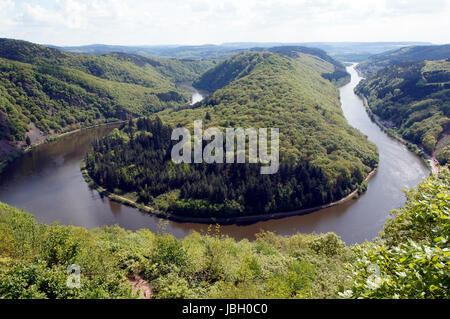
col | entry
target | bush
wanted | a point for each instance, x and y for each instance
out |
(412, 261)
(168, 255)
(171, 286)
(60, 247)
(329, 244)
(34, 280)
(443, 156)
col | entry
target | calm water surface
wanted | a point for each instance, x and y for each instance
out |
(47, 182)
(196, 94)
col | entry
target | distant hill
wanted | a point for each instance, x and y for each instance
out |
(358, 51)
(242, 64)
(407, 54)
(195, 52)
(414, 99)
(344, 51)
(338, 76)
(229, 70)
(116, 66)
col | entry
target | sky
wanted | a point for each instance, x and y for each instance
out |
(154, 22)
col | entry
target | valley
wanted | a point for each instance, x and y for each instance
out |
(52, 92)
(87, 178)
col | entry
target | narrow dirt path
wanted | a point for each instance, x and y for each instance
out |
(139, 284)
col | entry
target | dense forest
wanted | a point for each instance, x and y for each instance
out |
(414, 100)
(56, 91)
(338, 75)
(322, 158)
(411, 260)
(376, 62)
(201, 190)
(120, 67)
(242, 64)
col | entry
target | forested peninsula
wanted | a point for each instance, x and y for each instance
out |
(322, 158)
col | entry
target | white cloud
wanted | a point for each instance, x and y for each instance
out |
(6, 6)
(75, 22)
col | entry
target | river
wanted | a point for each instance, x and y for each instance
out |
(196, 94)
(47, 183)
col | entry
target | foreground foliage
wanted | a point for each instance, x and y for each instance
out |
(34, 259)
(412, 259)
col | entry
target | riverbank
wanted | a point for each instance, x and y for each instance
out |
(50, 138)
(197, 95)
(117, 198)
(430, 161)
(217, 220)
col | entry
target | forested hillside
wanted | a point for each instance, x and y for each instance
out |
(408, 54)
(54, 97)
(121, 67)
(411, 262)
(335, 73)
(414, 100)
(51, 91)
(322, 158)
(242, 64)
(229, 70)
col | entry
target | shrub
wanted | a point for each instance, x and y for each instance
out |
(413, 259)
(328, 244)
